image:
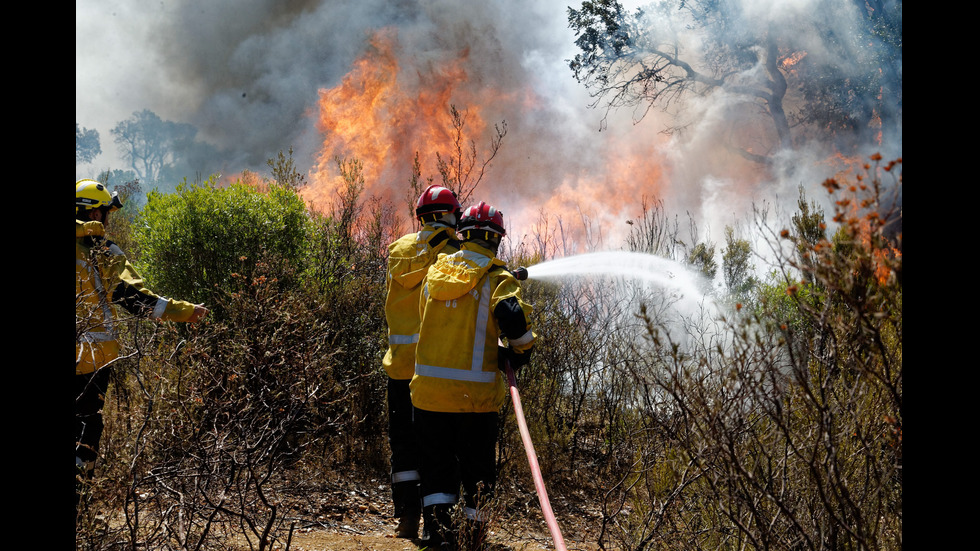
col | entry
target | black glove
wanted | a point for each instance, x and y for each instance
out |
(517, 359)
(503, 357)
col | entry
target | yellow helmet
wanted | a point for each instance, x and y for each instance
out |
(90, 194)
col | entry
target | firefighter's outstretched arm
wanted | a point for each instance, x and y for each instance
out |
(132, 295)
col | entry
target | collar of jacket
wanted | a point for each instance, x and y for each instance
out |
(91, 228)
(454, 275)
(435, 233)
(410, 257)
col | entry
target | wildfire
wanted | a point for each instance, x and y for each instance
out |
(393, 107)
(378, 118)
(791, 60)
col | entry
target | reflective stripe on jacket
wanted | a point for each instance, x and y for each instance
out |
(409, 258)
(104, 279)
(469, 301)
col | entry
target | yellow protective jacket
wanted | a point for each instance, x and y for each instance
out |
(103, 280)
(469, 302)
(408, 260)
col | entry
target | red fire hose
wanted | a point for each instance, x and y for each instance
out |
(532, 459)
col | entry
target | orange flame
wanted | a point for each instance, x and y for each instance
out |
(372, 117)
(390, 108)
(790, 61)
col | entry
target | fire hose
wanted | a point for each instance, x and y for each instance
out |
(532, 459)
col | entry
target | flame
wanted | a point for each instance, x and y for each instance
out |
(387, 110)
(593, 209)
(393, 107)
(789, 62)
(375, 118)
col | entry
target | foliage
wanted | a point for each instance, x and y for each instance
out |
(780, 299)
(737, 266)
(656, 234)
(194, 241)
(703, 258)
(846, 101)
(87, 146)
(580, 329)
(209, 432)
(284, 171)
(810, 228)
(120, 177)
(351, 240)
(208, 426)
(776, 426)
(349, 207)
(653, 232)
(121, 222)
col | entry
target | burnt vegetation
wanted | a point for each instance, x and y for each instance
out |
(774, 423)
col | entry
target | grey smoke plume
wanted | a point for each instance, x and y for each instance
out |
(248, 74)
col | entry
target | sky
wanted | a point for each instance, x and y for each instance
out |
(257, 77)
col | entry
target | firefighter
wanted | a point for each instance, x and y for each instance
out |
(470, 302)
(104, 280)
(409, 257)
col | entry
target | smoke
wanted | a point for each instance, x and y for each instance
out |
(249, 76)
(245, 74)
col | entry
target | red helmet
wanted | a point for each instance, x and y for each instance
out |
(437, 199)
(482, 217)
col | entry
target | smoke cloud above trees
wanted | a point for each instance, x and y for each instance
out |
(249, 77)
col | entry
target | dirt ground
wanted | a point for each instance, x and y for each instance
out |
(376, 535)
(365, 523)
(357, 516)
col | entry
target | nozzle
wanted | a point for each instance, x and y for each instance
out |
(520, 273)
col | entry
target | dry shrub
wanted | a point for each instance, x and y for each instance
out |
(783, 429)
(208, 425)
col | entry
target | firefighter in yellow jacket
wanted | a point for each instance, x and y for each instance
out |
(104, 279)
(409, 258)
(469, 303)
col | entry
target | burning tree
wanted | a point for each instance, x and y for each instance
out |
(835, 68)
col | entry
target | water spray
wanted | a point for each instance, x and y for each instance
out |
(639, 266)
(645, 267)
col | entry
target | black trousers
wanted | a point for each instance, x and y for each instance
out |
(457, 449)
(90, 390)
(404, 450)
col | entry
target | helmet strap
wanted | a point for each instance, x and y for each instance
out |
(447, 219)
(86, 215)
(487, 239)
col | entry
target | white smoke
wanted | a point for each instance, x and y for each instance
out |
(247, 76)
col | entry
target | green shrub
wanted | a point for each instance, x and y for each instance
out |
(191, 242)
